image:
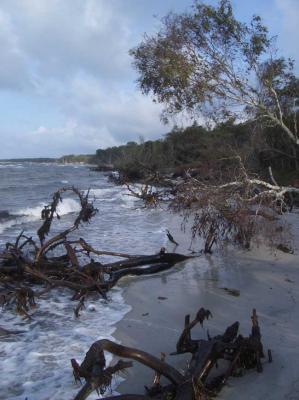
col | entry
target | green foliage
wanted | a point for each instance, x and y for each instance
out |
(191, 147)
(207, 62)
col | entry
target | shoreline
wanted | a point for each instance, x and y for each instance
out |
(267, 282)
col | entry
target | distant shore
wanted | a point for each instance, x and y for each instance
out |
(72, 159)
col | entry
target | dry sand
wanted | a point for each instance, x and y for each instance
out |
(267, 282)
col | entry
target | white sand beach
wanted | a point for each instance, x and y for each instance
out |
(266, 281)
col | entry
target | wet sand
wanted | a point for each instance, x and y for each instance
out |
(267, 282)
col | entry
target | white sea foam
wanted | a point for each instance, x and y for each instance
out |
(103, 192)
(113, 194)
(107, 194)
(30, 214)
(36, 364)
(7, 165)
(66, 207)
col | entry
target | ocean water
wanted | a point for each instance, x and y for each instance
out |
(35, 365)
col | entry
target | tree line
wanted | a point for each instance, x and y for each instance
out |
(207, 64)
(199, 149)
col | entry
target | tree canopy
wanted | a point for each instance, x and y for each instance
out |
(207, 62)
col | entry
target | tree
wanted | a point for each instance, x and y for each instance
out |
(207, 62)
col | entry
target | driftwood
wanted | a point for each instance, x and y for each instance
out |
(76, 266)
(58, 262)
(197, 382)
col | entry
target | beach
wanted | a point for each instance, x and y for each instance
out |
(267, 281)
(146, 312)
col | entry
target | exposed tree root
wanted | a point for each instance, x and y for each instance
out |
(241, 209)
(241, 353)
(25, 263)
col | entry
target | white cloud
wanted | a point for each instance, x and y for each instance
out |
(68, 61)
(93, 120)
(74, 53)
(125, 113)
(62, 37)
(71, 138)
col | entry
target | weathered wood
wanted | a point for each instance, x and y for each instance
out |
(195, 382)
(185, 343)
(171, 258)
(99, 378)
(129, 352)
(65, 270)
(89, 249)
(25, 261)
(137, 271)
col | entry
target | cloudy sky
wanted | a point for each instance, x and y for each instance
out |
(66, 81)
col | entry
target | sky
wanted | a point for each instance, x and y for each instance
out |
(67, 85)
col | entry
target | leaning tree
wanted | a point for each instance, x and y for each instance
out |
(206, 62)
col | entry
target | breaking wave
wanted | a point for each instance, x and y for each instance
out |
(30, 214)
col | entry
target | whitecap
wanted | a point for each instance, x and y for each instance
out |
(31, 214)
(36, 364)
(13, 165)
(65, 207)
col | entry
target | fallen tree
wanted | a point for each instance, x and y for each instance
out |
(198, 381)
(206, 63)
(59, 262)
(240, 208)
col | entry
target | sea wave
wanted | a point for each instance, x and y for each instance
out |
(39, 358)
(31, 214)
(112, 194)
(65, 207)
(51, 339)
(8, 165)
